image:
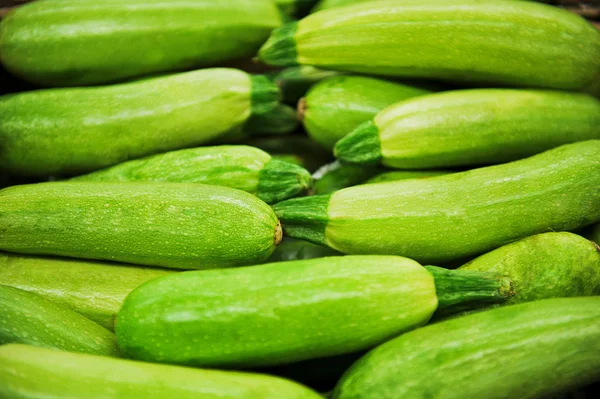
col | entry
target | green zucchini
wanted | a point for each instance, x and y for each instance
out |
(326, 4)
(491, 42)
(337, 105)
(290, 311)
(526, 351)
(95, 290)
(30, 319)
(458, 215)
(396, 175)
(242, 167)
(337, 175)
(179, 226)
(293, 249)
(27, 372)
(41, 131)
(82, 42)
(471, 127)
(294, 82)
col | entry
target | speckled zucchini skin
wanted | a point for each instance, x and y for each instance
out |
(531, 350)
(82, 42)
(242, 167)
(472, 127)
(28, 318)
(458, 215)
(491, 42)
(27, 372)
(95, 290)
(78, 130)
(290, 311)
(180, 226)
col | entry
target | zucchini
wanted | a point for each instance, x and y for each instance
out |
(472, 127)
(337, 175)
(548, 265)
(326, 4)
(290, 311)
(294, 249)
(179, 226)
(242, 167)
(495, 42)
(294, 82)
(337, 105)
(95, 290)
(527, 351)
(458, 215)
(27, 372)
(30, 319)
(83, 42)
(41, 131)
(396, 175)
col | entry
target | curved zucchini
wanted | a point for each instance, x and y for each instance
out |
(458, 215)
(526, 351)
(472, 127)
(41, 131)
(336, 175)
(496, 42)
(397, 175)
(82, 42)
(179, 226)
(27, 372)
(242, 167)
(290, 311)
(336, 106)
(95, 290)
(28, 318)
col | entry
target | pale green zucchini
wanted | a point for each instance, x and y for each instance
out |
(28, 318)
(526, 351)
(485, 41)
(337, 175)
(336, 106)
(396, 175)
(95, 290)
(82, 42)
(27, 372)
(458, 215)
(179, 226)
(471, 127)
(290, 311)
(242, 167)
(78, 130)
(294, 82)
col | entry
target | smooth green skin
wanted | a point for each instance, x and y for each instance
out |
(83, 42)
(479, 127)
(275, 313)
(549, 265)
(31, 319)
(78, 130)
(95, 290)
(179, 226)
(27, 372)
(480, 41)
(294, 82)
(245, 168)
(293, 249)
(397, 175)
(336, 175)
(337, 105)
(524, 351)
(458, 215)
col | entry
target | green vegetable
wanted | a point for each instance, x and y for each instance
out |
(294, 249)
(549, 265)
(458, 215)
(82, 42)
(294, 82)
(242, 167)
(405, 175)
(525, 351)
(336, 175)
(180, 226)
(336, 106)
(77, 130)
(30, 319)
(95, 290)
(27, 372)
(482, 41)
(472, 127)
(290, 311)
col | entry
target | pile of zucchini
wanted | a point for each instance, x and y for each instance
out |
(298, 199)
